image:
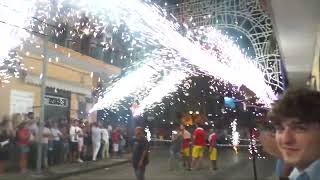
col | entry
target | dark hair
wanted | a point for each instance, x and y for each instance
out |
(302, 103)
(30, 114)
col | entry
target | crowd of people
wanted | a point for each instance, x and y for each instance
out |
(62, 141)
(182, 145)
(295, 140)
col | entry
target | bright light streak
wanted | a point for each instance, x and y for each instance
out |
(149, 22)
(150, 27)
(134, 82)
(147, 130)
(169, 84)
(11, 32)
(235, 136)
(12, 22)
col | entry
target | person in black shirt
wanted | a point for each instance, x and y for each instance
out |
(4, 143)
(140, 157)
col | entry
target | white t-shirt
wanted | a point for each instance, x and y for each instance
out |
(56, 134)
(96, 134)
(105, 135)
(33, 128)
(186, 134)
(74, 133)
(80, 139)
(109, 129)
(46, 131)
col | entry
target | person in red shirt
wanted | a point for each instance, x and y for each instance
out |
(115, 138)
(199, 142)
(185, 151)
(212, 149)
(23, 142)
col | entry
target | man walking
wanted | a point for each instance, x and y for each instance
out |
(297, 121)
(140, 151)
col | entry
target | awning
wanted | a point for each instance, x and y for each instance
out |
(59, 84)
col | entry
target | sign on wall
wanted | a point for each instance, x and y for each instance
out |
(56, 101)
(21, 101)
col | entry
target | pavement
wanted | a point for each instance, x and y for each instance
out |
(232, 166)
(64, 170)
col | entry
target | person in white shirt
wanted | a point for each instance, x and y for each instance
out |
(96, 140)
(57, 145)
(46, 134)
(105, 140)
(75, 133)
(80, 144)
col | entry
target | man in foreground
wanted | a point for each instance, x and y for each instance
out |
(297, 121)
(140, 157)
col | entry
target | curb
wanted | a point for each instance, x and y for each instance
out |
(59, 176)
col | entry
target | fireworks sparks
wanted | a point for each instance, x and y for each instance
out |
(14, 16)
(235, 135)
(151, 24)
(136, 82)
(154, 29)
(253, 143)
(148, 133)
(161, 71)
(166, 86)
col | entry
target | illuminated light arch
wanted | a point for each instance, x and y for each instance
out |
(245, 16)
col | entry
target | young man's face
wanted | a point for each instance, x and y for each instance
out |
(298, 143)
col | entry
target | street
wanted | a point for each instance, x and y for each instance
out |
(231, 167)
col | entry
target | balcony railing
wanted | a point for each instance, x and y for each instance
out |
(95, 50)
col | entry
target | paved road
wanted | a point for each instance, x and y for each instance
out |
(231, 167)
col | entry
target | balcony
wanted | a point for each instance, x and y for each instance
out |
(98, 47)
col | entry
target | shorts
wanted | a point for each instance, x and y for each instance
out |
(197, 151)
(213, 154)
(24, 148)
(4, 154)
(115, 147)
(185, 152)
(74, 147)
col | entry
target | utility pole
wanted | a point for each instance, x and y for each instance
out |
(42, 100)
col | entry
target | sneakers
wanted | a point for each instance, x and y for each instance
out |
(80, 160)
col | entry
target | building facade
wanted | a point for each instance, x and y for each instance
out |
(70, 81)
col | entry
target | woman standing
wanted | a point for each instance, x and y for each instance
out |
(23, 144)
